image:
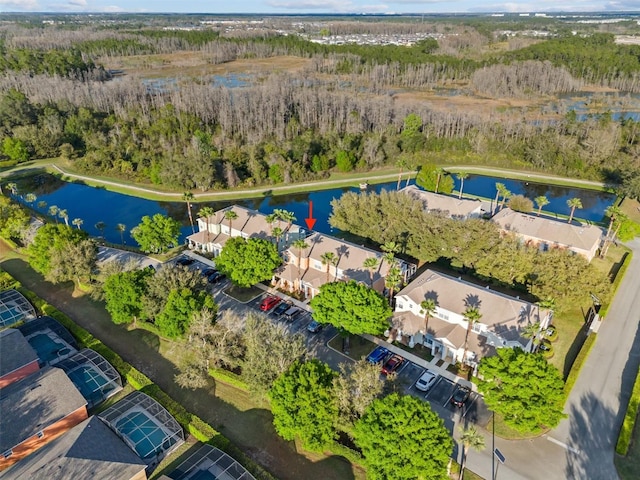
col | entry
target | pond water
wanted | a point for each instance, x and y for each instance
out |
(95, 205)
(621, 105)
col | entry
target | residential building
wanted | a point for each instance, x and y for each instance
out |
(546, 233)
(502, 324)
(451, 206)
(17, 358)
(89, 450)
(14, 308)
(215, 230)
(306, 271)
(209, 462)
(36, 410)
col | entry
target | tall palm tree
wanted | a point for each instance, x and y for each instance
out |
(371, 264)
(42, 204)
(205, 213)
(188, 197)
(270, 219)
(461, 176)
(277, 233)
(499, 188)
(64, 215)
(548, 303)
(30, 198)
(531, 331)
(328, 259)
(121, 227)
(618, 217)
(427, 308)
(77, 222)
(613, 213)
(439, 173)
(392, 280)
(573, 203)
(470, 437)
(506, 193)
(53, 211)
(231, 216)
(541, 201)
(471, 315)
(301, 245)
(101, 226)
(287, 216)
(13, 188)
(400, 163)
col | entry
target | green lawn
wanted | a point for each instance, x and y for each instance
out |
(358, 346)
(629, 466)
(508, 433)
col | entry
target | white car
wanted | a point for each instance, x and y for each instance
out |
(426, 381)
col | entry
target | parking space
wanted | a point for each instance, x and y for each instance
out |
(441, 392)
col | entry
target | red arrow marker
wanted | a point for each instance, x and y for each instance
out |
(310, 221)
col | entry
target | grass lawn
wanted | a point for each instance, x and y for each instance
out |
(243, 295)
(632, 208)
(508, 433)
(358, 346)
(629, 466)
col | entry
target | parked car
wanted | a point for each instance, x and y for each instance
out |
(314, 327)
(215, 277)
(392, 364)
(269, 302)
(281, 308)
(545, 346)
(185, 261)
(293, 313)
(550, 331)
(379, 355)
(208, 271)
(460, 396)
(426, 381)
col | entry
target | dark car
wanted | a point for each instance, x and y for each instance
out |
(215, 277)
(460, 396)
(269, 302)
(185, 261)
(378, 355)
(281, 308)
(392, 364)
(293, 313)
(314, 327)
(208, 271)
(545, 346)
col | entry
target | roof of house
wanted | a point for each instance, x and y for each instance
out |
(34, 403)
(350, 256)
(451, 205)
(503, 315)
(250, 222)
(15, 351)
(575, 235)
(210, 462)
(88, 450)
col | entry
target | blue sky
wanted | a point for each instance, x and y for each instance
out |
(317, 6)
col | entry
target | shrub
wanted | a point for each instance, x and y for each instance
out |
(229, 378)
(630, 417)
(577, 363)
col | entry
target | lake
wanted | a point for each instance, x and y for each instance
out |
(95, 205)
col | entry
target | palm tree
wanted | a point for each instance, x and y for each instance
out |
(121, 227)
(30, 198)
(64, 215)
(371, 264)
(42, 204)
(188, 197)
(439, 173)
(470, 437)
(301, 245)
(77, 222)
(13, 187)
(392, 280)
(427, 308)
(541, 201)
(613, 213)
(548, 303)
(53, 211)
(328, 259)
(499, 188)
(101, 226)
(618, 217)
(277, 232)
(270, 219)
(400, 163)
(531, 331)
(461, 176)
(506, 193)
(205, 213)
(471, 315)
(231, 216)
(573, 203)
(288, 217)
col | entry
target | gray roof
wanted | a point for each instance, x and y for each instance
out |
(449, 205)
(15, 351)
(89, 450)
(34, 403)
(214, 461)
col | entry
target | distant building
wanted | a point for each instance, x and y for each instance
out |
(503, 321)
(90, 450)
(546, 233)
(36, 410)
(213, 231)
(451, 206)
(17, 358)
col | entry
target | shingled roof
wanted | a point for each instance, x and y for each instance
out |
(15, 351)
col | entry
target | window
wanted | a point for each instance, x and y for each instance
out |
(317, 265)
(40, 434)
(399, 305)
(477, 327)
(443, 316)
(7, 454)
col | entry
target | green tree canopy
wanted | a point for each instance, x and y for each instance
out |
(352, 307)
(179, 310)
(524, 388)
(402, 438)
(434, 179)
(248, 261)
(356, 387)
(123, 294)
(303, 404)
(164, 281)
(156, 234)
(13, 218)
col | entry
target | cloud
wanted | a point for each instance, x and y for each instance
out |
(78, 3)
(335, 5)
(20, 4)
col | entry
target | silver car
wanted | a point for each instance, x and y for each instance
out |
(426, 381)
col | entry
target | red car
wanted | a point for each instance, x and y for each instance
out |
(269, 302)
(393, 364)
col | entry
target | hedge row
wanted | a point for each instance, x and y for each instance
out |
(229, 378)
(622, 271)
(578, 362)
(191, 423)
(626, 431)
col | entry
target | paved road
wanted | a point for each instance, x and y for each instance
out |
(582, 446)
